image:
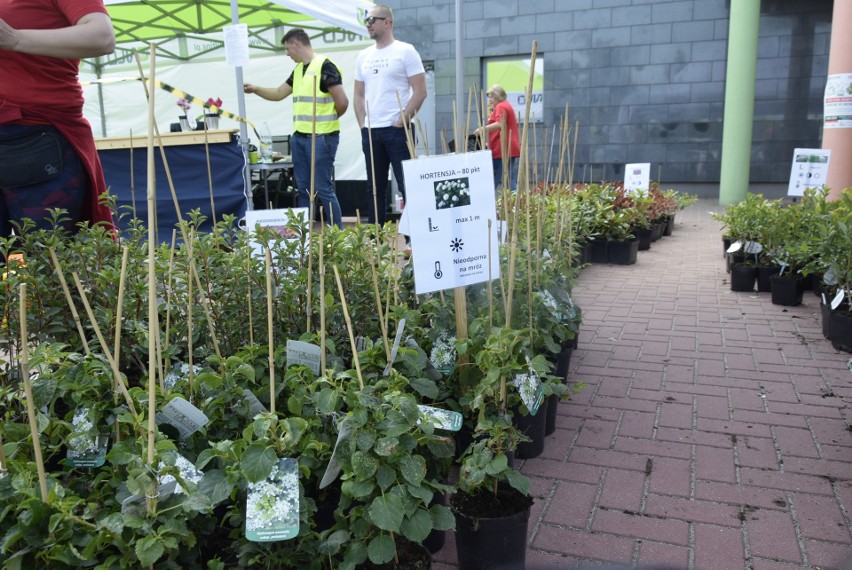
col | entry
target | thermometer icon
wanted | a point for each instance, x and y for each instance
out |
(438, 272)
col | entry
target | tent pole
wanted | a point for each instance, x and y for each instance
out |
(241, 106)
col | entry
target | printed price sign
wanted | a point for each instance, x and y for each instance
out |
(183, 416)
(299, 352)
(637, 176)
(450, 199)
(809, 170)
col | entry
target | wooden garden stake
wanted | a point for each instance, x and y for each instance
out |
(207, 314)
(372, 166)
(125, 255)
(119, 380)
(322, 291)
(269, 330)
(68, 298)
(209, 177)
(169, 289)
(28, 390)
(348, 327)
(490, 283)
(382, 323)
(248, 296)
(312, 194)
(190, 302)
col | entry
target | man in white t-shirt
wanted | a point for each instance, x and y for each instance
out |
(389, 76)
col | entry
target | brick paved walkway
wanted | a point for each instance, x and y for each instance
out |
(712, 433)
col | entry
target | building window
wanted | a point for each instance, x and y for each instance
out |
(513, 74)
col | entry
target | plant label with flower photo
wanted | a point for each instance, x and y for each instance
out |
(299, 352)
(86, 447)
(444, 419)
(530, 390)
(333, 468)
(277, 220)
(183, 416)
(450, 200)
(272, 505)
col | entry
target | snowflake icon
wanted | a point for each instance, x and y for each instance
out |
(456, 245)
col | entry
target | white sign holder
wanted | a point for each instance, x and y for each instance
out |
(809, 170)
(637, 176)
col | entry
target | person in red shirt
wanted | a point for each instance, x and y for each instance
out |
(501, 110)
(41, 111)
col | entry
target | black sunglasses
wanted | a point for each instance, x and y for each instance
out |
(372, 20)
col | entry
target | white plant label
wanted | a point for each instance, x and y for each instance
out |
(529, 387)
(272, 505)
(86, 447)
(809, 170)
(183, 416)
(751, 247)
(395, 348)
(444, 419)
(735, 247)
(278, 221)
(837, 299)
(255, 406)
(637, 176)
(333, 468)
(450, 199)
(299, 352)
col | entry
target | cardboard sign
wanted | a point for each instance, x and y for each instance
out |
(444, 419)
(637, 176)
(450, 199)
(272, 505)
(183, 416)
(809, 170)
(299, 352)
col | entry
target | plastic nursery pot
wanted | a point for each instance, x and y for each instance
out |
(599, 250)
(764, 272)
(532, 426)
(623, 252)
(657, 229)
(667, 231)
(787, 290)
(743, 277)
(840, 329)
(644, 237)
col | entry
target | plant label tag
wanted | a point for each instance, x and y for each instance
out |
(529, 387)
(183, 416)
(299, 352)
(333, 469)
(824, 300)
(830, 276)
(431, 372)
(255, 407)
(87, 449)
(752, 247)
(395, 348)
(444, 419)
(838, 299)
(735, 247)
(272, 505)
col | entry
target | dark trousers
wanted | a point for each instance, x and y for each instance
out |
(389, 149)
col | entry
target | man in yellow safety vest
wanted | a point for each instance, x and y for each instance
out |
(318, 102)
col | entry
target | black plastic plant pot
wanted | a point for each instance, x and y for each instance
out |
(840, 329)
(764, 272)
(644, 237)
(733, 259)
(623, 252)
(787, 290)
(532, 426)
(726, 243)
(743, 277)
(563, 361)
(551, 406)
(825, 310)
(667, 231)
(491, 540)
(657, 229)
(599, 250)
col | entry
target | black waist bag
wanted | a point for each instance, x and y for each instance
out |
(32, 157)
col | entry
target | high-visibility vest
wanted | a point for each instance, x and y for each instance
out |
(303, 100)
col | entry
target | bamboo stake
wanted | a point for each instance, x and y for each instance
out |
(372, 166)
(382, 323)
(132, 176)
(190, 303)
(104, 347)
(169, 290)
(348, 327)
(205, 305)
(28, 390)
(125, 256)
(490, 283)
(209, 175)
(322, 291)
(74, 314)
(312, 195)
(248, 296)
(269, 331)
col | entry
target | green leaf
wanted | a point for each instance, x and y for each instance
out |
(246, 371)
(148, 550)
(413, 468)
(425, 387)
(365, 439)
(518, 481)
(418, 527)
(363, 465)
(386, 512)
(386, 446)
(327, 400)
(497, 465)
(381, 549)
(214, 484)
(385, 476)
(442, 517)
(257, 461)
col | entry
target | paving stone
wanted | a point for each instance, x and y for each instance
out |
(771, 534)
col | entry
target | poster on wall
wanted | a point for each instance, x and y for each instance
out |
(637, 176)
(837, 105)
(810, 170)
(450, 200)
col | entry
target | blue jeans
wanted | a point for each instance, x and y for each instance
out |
(326, 149)
(498, 172)
(389, 149)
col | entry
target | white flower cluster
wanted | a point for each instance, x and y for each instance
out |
(527, 385)
(178, 372)
(85, 440)
(188, 472)
(273, 502)
(443, 355)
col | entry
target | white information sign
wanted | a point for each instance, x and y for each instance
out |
(637, 176)
(837, 104)
(810, 170)
(450, 199)
(236, 45)
(299, 352)
(276, 220)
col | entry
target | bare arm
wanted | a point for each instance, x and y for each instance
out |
(91, 36)
(269, 93)
(418, 95)
(360, 103)
(341, 101)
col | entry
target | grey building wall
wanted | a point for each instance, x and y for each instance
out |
(645, 79)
